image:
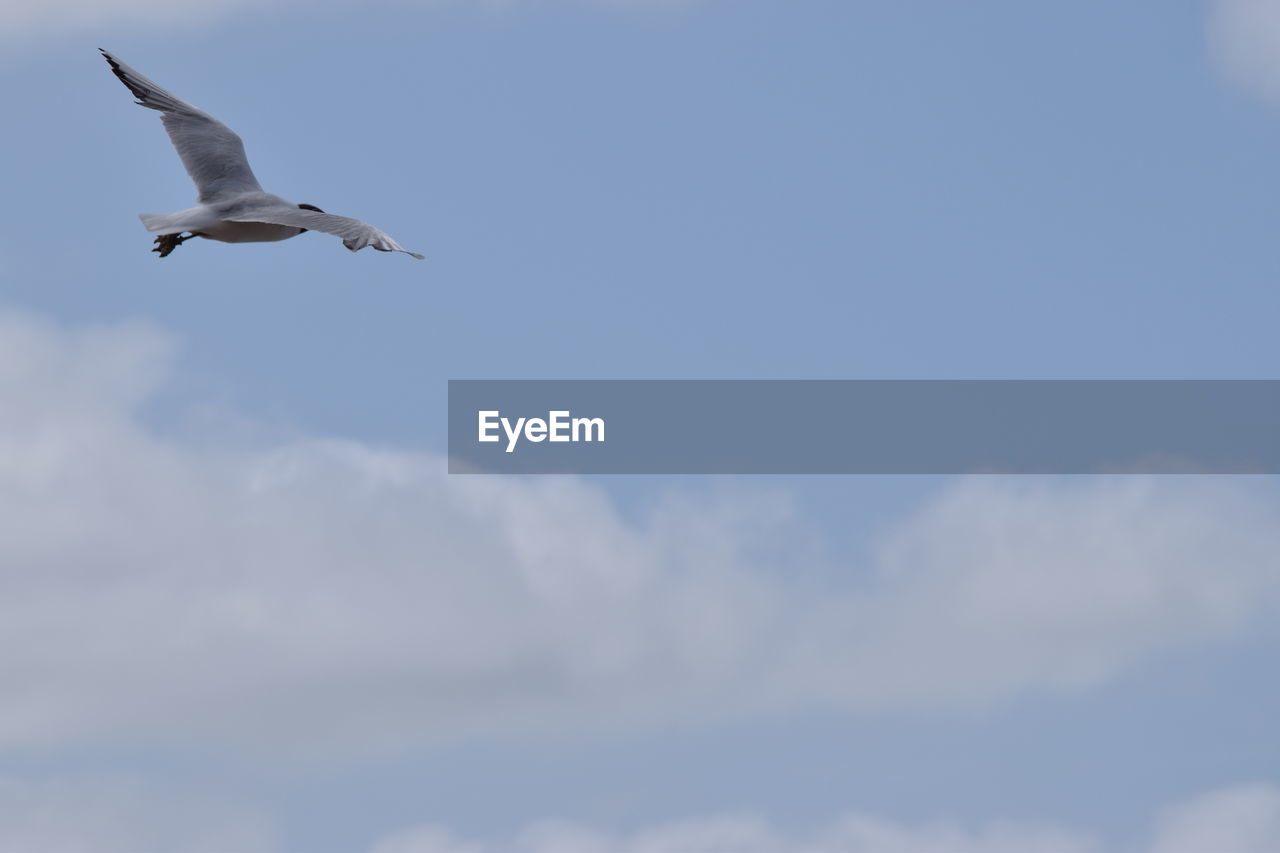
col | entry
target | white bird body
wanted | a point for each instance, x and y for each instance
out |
(233, 208)
(205, 220)
(249, 232)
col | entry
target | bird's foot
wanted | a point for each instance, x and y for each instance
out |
(166, 243)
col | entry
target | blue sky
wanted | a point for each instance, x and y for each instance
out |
(245, 608)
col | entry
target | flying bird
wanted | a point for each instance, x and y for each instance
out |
(233, 207)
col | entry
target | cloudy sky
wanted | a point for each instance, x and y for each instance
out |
(244, 608)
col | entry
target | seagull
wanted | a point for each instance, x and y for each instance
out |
(233, 207)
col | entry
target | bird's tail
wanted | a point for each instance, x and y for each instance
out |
(166, 223)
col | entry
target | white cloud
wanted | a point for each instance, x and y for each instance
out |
(1244, 38)
(122, 816)
(54, 17)
(129, 816)
(1234, 820)
(1244, 819)
(319, 593)
(19, 18)
(1001, 583)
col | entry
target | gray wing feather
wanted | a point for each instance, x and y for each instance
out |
(354, 233)
(211, 151)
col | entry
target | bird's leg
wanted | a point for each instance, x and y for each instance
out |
(166, 243)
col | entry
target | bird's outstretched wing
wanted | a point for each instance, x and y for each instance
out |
(354, 233)
(211, 151)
